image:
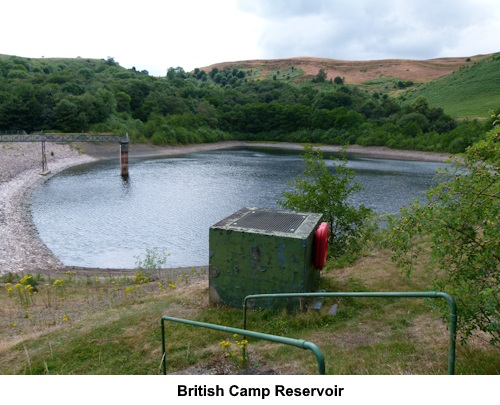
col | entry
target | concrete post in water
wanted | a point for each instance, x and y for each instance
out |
(124, 156)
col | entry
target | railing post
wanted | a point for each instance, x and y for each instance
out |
(428, 294)
(302, 344)
(453, 330)
(163, 358)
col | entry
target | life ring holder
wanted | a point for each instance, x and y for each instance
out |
(321, 245)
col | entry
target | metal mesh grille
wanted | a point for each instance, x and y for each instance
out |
(270, 221)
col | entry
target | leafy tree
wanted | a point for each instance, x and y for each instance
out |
(421, 105)
(218, 77)
(420, 120)
(213, 72)
(177, 72)
(338, 80)
(123, 101)
(323, 119)
(461, 221)
(66, 115)
(110, 61)
(322, 191)
(208, 113)
(321, 76)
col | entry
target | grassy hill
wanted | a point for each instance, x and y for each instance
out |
(471, 91)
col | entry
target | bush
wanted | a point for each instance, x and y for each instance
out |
(319, 190)
(461, 219)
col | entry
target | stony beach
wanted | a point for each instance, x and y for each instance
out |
(20, 166)
(21, 249)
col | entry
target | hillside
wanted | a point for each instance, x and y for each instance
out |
(355, 72)
(471, 91)
(259, 101)
(465, 87)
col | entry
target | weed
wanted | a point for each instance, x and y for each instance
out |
(140, 277)
(236, 351)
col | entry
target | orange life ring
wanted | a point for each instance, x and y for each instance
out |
(321, 245)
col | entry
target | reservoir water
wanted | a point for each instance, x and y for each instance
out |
(90, 217)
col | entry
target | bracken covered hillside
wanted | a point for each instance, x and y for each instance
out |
(355, 72)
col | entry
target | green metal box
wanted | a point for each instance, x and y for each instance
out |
(261, 251)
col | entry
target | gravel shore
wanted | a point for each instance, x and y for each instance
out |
(21, 249)
(20, 166)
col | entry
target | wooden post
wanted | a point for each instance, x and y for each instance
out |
(124, 157)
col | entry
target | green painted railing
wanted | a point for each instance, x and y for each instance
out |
(302, 344)
(429, 294)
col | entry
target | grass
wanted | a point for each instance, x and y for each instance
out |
(93, 326)
(471, 92)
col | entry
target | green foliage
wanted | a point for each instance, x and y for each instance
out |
(461, 221)
(319, 190)
(73, 95)
(338, 80)
(154, 259)
(404, 84)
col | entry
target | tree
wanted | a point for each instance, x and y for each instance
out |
(122, 101)
(177, 72)
(461, 220)
(67, 117)
(110, 61)
(338, 80)
(320, 77)
(421, 105)
(319, 190)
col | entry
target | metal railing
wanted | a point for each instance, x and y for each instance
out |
(302, 344)
(429, 294)
(13, 132)
(42, 137)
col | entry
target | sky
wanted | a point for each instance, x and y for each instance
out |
(154, 35)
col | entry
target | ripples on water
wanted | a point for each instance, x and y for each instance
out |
(88, 216)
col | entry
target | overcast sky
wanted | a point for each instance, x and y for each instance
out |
(155, 35)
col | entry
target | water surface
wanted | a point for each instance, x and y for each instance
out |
(88, 216)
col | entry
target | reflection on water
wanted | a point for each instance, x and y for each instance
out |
(90, 216)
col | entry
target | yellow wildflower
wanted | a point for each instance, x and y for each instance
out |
(57, 283)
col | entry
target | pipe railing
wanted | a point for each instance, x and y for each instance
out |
(429, 294)
(303, 344)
